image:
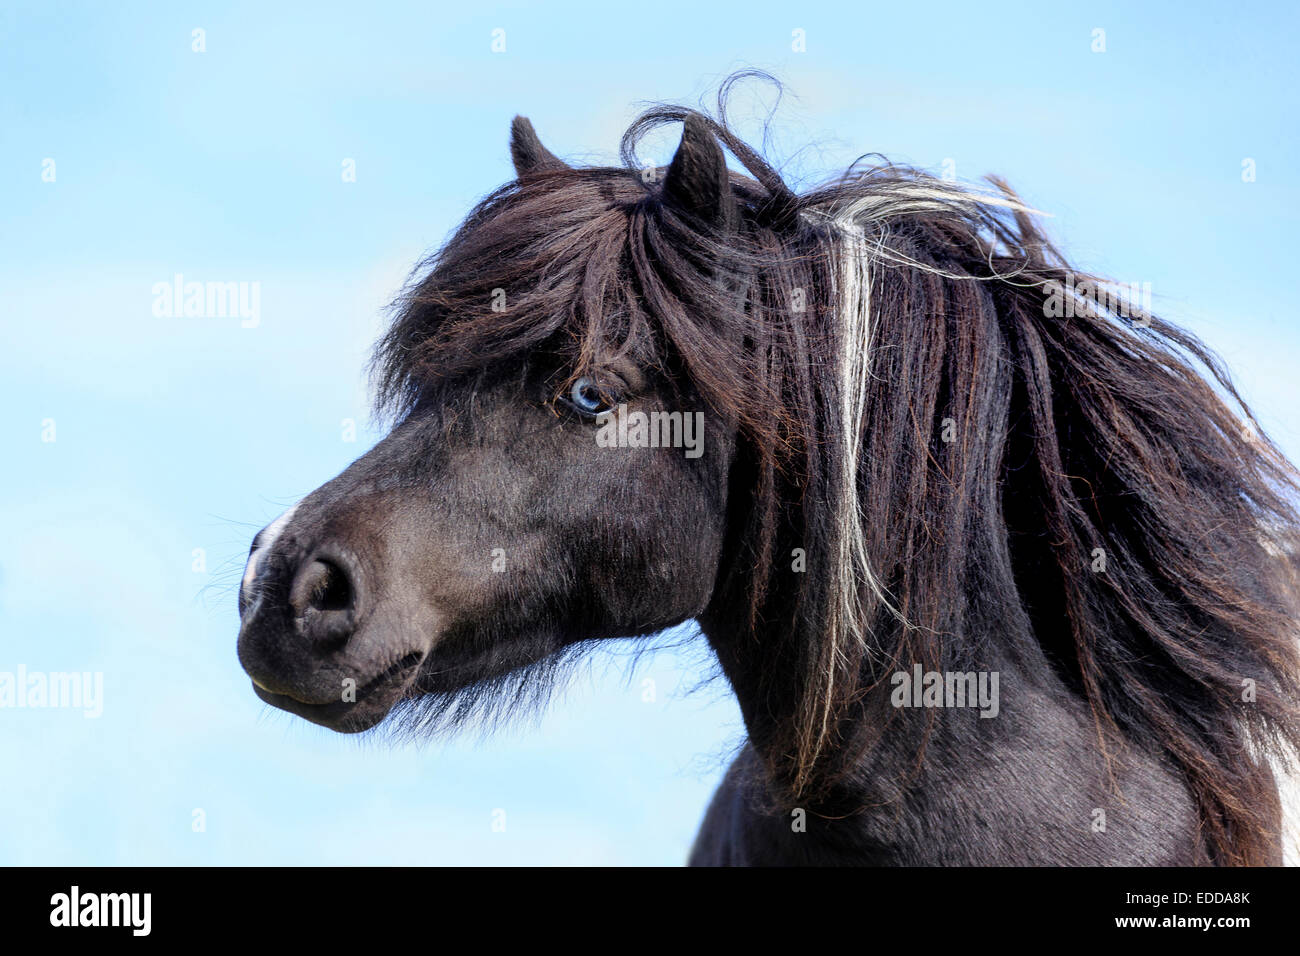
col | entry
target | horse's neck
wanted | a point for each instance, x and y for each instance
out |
(1029, 785)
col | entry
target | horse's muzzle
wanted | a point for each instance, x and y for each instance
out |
(303, 610)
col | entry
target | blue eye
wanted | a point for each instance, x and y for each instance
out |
(587, 397)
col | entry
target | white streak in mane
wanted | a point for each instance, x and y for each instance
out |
(853, 258)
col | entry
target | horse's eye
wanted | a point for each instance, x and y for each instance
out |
(587, 397)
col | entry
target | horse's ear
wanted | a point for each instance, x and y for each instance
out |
(527, 151)
(697, 181)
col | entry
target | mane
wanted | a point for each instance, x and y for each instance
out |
(843, 332)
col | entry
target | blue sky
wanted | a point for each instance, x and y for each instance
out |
(176, 434)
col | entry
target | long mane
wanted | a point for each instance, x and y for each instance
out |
(922, 419)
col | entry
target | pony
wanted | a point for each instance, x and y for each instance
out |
(997, 563)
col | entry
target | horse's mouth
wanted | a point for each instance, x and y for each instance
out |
(357, 711)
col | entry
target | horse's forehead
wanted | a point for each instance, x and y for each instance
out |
(587, 190)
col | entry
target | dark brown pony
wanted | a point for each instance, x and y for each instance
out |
(939, 477)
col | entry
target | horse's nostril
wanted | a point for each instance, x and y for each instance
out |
(336, 594)
(323, 599)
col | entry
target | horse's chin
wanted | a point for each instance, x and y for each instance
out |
(358, 710)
